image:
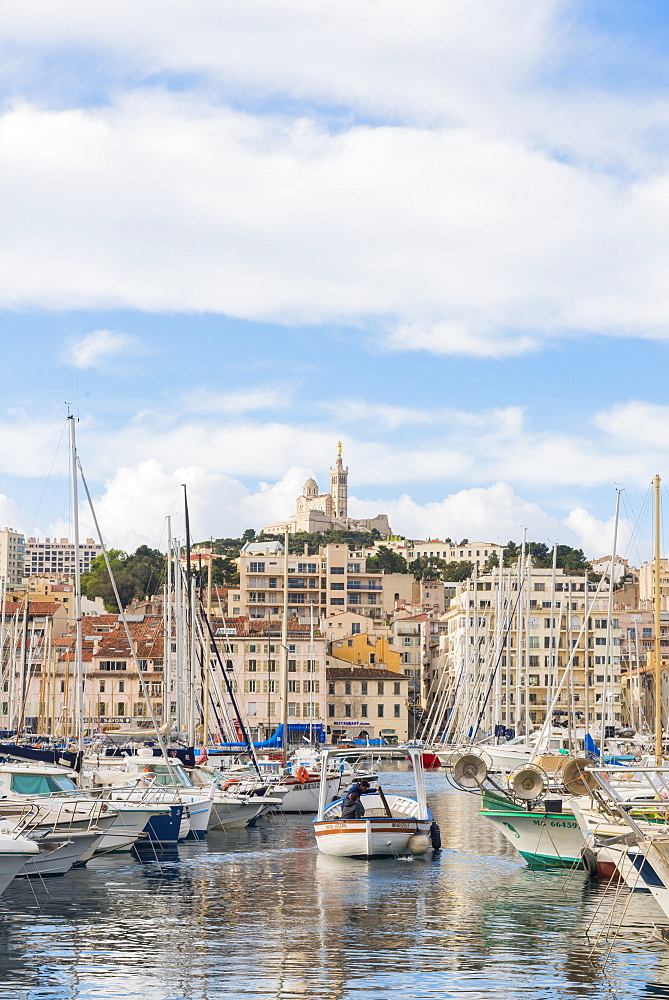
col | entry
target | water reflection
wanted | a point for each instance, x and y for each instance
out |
(259, 913)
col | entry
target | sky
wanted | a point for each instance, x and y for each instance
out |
(236, 233)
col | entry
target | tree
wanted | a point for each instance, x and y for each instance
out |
(137, 575)
(249, 535)
(491, 563)
(387, 561)
(428, 568)
(456, 571)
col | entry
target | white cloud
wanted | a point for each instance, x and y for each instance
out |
(427, 238)
(259, 397)
(596, 537)
(96, 348)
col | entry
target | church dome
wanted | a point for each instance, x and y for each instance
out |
(310, 488)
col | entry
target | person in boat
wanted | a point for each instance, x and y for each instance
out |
(359, 788)
(352, 807)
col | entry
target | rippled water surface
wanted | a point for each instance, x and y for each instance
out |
(259, 913)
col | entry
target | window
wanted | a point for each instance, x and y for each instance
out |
(140, 709)
(534, 642)
(331, 711)
(252, 666)
(102, 708)
(257, 567)
(396, 711)
(379, 711)
(251, 686)
(271, 666)
(347, 687)
(120, 708)
(292, 666)
(293, 708)
(379, 687)
(306, 567)
(269, 687)
(331, 687)
(156, 689)
(354, 567)
(336, 586)
(347, 711)
(363, 687)
(102, 689)
(354, 598)
(309, 709)
(253, 648)
(349, 642)
(363, 711)
(396, 687)
(311, 666)
(113, 665)
(337, 570)
(337, 600)
(355, 628)
(121, 687)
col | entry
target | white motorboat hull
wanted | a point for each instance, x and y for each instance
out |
(365, 838)
(14, 852)
(231, 813)
(127, 828)
(66, 852)
(302, 797)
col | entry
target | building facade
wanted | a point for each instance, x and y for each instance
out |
(364, 702)
(12, 557)
(56, 555)
(319, 585)
(504, 656)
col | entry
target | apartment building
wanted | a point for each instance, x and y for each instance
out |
(12, 557)
(647, 585)
(319, 585)
(365, 650)
(505, 654)
(56, 555)
(253, 655)
(365, 702)
(476, 553)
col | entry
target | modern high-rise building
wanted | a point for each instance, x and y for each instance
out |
(11, 556)
(56, 556)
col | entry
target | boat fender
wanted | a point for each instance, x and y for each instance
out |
(230, 783)
(418, 844)
(435, 836)
(589, 859)
(302, 774)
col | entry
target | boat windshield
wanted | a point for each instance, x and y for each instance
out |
(42, 784)
(177, 776)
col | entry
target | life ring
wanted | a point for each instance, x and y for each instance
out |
(302, 774)
(229, 783)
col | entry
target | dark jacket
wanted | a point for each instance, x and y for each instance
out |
(352, 810)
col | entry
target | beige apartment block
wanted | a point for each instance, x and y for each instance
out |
(530, 640)
(647, 585)
(56, 555)
(364, 650)
(253, 654)
(366, 703)
(477, 553)
(332, 581)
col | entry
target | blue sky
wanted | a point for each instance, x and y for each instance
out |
(234, 234)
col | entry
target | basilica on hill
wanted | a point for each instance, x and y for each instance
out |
(316, 511)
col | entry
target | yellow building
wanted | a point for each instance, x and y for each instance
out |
(365, 650)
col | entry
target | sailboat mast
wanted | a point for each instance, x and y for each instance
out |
(284, 656)
(78, 662)
(608, 659)
(658, 600)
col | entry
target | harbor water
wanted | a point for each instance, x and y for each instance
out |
(259, 913)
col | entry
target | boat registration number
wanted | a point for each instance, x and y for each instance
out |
(555, 823)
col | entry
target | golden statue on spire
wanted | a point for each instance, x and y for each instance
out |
(338, 449)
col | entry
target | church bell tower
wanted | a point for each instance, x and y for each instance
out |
(339, 486)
